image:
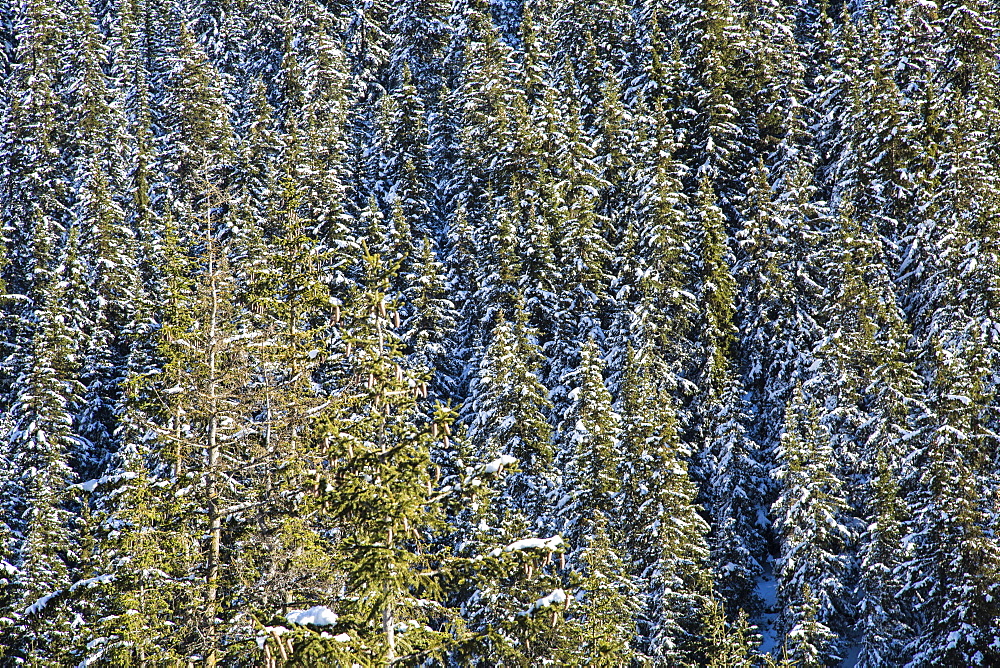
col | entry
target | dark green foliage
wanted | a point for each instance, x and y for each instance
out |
(499, 332)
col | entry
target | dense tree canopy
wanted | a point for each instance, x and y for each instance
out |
(499, 333)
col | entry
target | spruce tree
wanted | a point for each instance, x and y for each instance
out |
(588, 438)
(809, 522)
(603, 624)
(779, 280)
(196, 139)
(420, 36)
(431, 318)
(950, 572)
(664, 534)
(604, 618)
(729, 644)
(41, 526)
(376, 483)
(582, 249)
(403, 141)
(508, 406)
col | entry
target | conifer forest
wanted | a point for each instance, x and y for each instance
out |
(500, 333)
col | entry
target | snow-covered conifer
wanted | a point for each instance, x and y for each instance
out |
(810, 525)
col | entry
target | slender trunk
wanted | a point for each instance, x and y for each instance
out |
(389, 627)
(215, 542)
(214, 520)
(178, 432)
(388, 611)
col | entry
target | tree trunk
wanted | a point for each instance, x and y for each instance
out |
(389, 628)
(211, 493)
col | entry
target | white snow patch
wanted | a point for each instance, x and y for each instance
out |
(40, 604)
(499, 463)
(318, 615)
(92, 582)
(90, 485)
(767, 590)
(555, 598)
(550, 544)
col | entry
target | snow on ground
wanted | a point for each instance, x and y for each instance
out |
(767, 590)
(853, 654)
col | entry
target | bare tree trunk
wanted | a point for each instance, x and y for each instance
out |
(214, 520)
(389, 628)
